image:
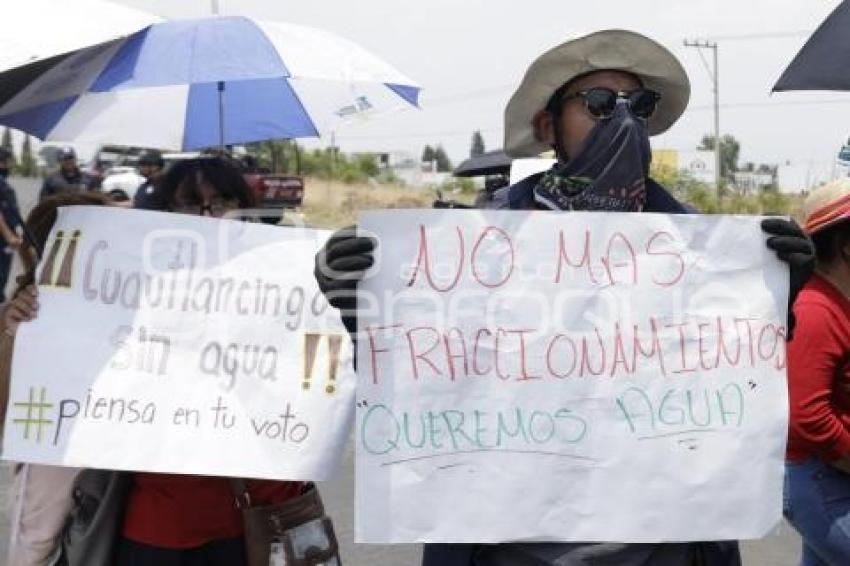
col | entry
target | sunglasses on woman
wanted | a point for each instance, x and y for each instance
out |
(217, 208)
(600, 101)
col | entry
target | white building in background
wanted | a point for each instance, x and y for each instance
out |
(409, 169)
(800, 177)
(699, 164)
(792, 177)
(392, 159)
(753, 182)
(696, 163)
(422, 177)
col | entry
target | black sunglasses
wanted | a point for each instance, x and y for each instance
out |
(600, 101)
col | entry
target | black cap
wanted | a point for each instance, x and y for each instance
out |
(151, 157)
(66, 152)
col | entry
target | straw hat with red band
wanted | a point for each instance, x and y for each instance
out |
(827, 206)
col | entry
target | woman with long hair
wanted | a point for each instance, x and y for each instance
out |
(40, 495)
(183, 519)
(817, 489)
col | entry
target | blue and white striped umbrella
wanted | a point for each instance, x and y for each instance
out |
(191, 84)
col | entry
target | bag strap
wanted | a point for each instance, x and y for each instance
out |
(240, 492)
(243, 496)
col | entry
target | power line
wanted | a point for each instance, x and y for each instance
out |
(427, 135)
(463, 97)
(771, 104)
(761, 36)
(714, 73)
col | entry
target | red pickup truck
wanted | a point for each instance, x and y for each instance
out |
(277, 191)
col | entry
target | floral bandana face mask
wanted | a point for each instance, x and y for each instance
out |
(609, 172)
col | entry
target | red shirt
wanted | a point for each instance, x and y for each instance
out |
(819, 374)
(178, 511)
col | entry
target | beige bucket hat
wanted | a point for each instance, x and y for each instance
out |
(615, 49)
(826, 206)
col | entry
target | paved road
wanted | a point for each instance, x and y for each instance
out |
(779, 550)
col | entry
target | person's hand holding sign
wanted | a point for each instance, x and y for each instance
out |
(340, 265)
(22, 308)
(791, 246)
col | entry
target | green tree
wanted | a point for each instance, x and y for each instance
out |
(730, 149)
(428, 154)
(685, 187)
(7, 144)
(318, 163)
(28, 166)
(702, 196)
(285, 156)
(775, 203)
(443, 162)
(463, 185)
(477, 147)
(277, 156)
(367, 164)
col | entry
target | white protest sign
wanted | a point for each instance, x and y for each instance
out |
(539, 376)
(184, 344)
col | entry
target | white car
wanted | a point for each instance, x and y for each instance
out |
(123, 178)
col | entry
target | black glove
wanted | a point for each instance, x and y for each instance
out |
(795, 249)
(340, 265)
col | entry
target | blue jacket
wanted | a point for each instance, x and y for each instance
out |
(9, 205)
(721, 553)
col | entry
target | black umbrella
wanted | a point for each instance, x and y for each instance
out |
(491, 163)
(824, 61)
(16, 79)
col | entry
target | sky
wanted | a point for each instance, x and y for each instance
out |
(469, 56)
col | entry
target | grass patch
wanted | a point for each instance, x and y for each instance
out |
(332, 204)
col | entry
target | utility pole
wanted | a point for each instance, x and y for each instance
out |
(714, 73)
(214, 7)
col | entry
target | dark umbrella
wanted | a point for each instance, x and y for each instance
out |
(824, 61)
(490, 163)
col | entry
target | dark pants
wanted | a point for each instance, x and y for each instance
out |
(721, 553)
(229, 552)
